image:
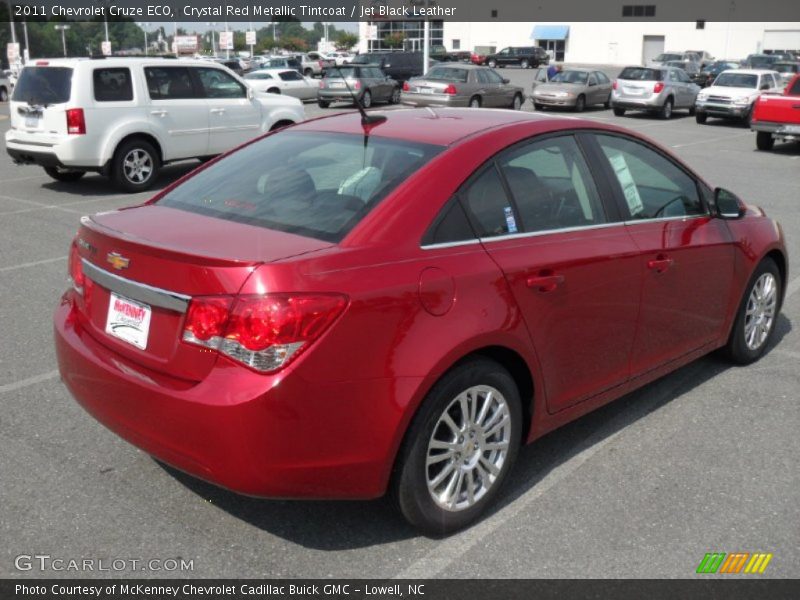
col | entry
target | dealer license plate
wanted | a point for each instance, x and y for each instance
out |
(128, 320)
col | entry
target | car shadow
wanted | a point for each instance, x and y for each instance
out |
(343, 525)
(642, 115)
(94, 184)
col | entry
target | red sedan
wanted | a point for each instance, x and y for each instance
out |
(342, 309)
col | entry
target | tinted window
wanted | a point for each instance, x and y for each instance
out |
(488, 205)
(451, 226)
(290, 76)
(169, 83)
(314, 184)
(552, 186)
(219, 84)
(641, 74)
(112, 85)
(43, 85)
(653, 187)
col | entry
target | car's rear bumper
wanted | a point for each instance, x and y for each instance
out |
(268, 436)
(415, 99)
(338, 95)
(75, 152)
(633, 104)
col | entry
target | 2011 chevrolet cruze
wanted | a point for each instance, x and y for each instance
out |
(348, 307)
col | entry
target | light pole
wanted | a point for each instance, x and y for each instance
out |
(213, 41)
(27, 53)
(63, 29)
(144, 29)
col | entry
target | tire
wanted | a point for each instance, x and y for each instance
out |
(308, 72)
(666, 109)
(475, 102)
(124, 174)
(748, 117)
(701, 118)
(323, 103)
(366, 99)
(3, 94)
(516, 103)
(607, 103)
(619, 112)
(395, 97)
(692, 110)
(524, 64)
(491, 63)
(64, 175)
(738, 349)
(580, 103)
(414, 483)
(538, 106)
(273, 91)
(764, 140)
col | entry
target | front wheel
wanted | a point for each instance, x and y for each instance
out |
(524, 63)
(459, 448)
(580, 103)
(755, 320)
(366, 99)
(700, 118)
(666, 109)
(65, 175)
(308, 72)
(619, 112)
(135, 166)
(516, 104)
(764, 140)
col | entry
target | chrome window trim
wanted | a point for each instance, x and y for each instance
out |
(136, 291)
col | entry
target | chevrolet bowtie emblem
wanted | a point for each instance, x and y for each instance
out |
(117, 261)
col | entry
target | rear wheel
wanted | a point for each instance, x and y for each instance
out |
(758, 311)
(764, 140)
(475, 102)
(492, 63)
(692, 110)
(308, 72)
(619, 112)
(323, 103)
(580, 103)
(459, 448)
(65, 175)
(3, 94)
(516, 104)
(748, 117)
(135, 166)
(701, 117)
(366, 99)
(395, 98)
(607, 103)
(524, 63)
(666, 109)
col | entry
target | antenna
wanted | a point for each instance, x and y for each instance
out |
(365, 118)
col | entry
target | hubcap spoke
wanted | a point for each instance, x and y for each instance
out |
(760, 311)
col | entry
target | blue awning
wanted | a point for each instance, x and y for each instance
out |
(550, 32)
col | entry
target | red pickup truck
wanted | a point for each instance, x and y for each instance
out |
(777, 116)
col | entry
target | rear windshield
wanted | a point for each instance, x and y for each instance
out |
(44, 85)
(343, 72)
(641, 74)
(742, 80)
(447, 74)
(668, 56)
(319, 185)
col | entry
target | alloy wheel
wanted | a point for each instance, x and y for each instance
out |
(760, 311)
(137, 166)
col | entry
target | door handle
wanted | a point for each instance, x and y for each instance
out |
(218, 111)
(545, 283)
(660, 264)
(158, 113)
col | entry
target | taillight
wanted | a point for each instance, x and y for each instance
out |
(614, 85)
(321, 65)
(406, 87)
(322, 84)
(76, 276)
(75, 121)
(658, 87)
(263, 332)
(357, 85)
(451, 90)
(42, 63)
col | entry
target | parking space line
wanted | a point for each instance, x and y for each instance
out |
(792, 287)
(712, 140)
(35, 263)
(24, 178)
(23, 383)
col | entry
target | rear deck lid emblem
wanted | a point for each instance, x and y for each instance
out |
(117, 261)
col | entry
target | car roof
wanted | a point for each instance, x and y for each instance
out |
(750, 71)
(455, 65)
(121, 61)
(440, 126)
(272, 71)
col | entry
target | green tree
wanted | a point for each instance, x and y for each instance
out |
(394, 40)
(346, 40)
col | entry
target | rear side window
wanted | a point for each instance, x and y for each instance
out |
(290, 76)
(452, 225)
(169, 83)
(44, 85)
(112, 85)
(319, 185)
(488, 205)
(641, 74)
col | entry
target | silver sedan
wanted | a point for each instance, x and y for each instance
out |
(454, 84)
(573, 88)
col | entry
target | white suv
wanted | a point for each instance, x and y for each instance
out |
(126, 117)
(734, 92)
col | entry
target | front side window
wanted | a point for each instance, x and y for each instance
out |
(112, 85)
(552, 186)
(169, 83)
(652, 186)
(318, 185)
(219, 84)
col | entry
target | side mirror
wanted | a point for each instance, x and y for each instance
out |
(728, 204)
(506, 80)
(591, 83)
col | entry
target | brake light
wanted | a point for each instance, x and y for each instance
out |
(322, 84)
(357, 85)
(614, 85)
(76, 277)
(658, 87)
(451, 90)
(42, 63)
(76, 123)
(406, 87)
(262, 332)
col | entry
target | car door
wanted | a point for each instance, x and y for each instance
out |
(686, 255)
(294, 84)
(234, 118)
(603, 87)
(570, 264)
(496, 90)
(378, 83)
(178, 112)
(593, 95)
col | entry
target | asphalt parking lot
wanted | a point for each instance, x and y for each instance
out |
(703, 460)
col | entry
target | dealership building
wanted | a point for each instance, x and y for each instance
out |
(614, 43)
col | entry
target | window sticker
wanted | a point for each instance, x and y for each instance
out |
(511, 223)
(629, 188)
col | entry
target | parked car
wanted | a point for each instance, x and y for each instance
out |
(666, 57)
(282, 81)
(787, 70)
(125, 118)
(760, 61)
(313, 64)
(777, 117)
(734, 92)
(400, 66)
(705, 58)
(282, 62)
(234, 64)
(441, 54)
(458, 84)
(477, 58)
(351, 311)
(692, 69)
(368, 83)
(573, 88)
(521, 56)
(5, 88)
(658, 90)
(342, 58)
(709, 73)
